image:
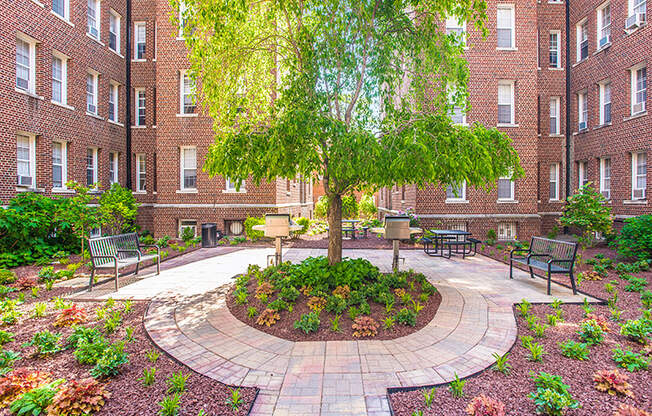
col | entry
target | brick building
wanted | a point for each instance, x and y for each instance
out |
(86, 99)
(522, 77)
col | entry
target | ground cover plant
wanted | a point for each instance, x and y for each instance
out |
(351, 300)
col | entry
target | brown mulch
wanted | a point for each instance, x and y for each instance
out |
(284, 328)
(128, 395)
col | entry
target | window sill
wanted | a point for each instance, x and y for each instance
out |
(133, 126)
(580, 132)
(554, 68)
(635, 202)
(555, 201)
(579, 62)
(38, 3)
(29, 94)
(94, 116)
(556, 136)
(510, 125)
(507, 201)
(189, 115)
(66, 21)
(456, 201)
(62, 105)
(139, 192)
(115, 123)
(604, 48)
(180, 38)
(117, 53)
(186, 191)
(29, 189)
(632, 31)
(602, 126)
(94, 38)
(62, 191)
(635, 116)
(229, 191)
(154, 126)
(507, 49)
(139, 60)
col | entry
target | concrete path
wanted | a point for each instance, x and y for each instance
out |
(189, 319)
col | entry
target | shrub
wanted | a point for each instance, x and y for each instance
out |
(407, 317)
(637, 330)
(627, 410)
(646, 299)
(321, 207)
(367, 206)
(35, 401)
(308, 322)
(79, 333)
(456, 387)
(316, 303)
(600, 320)
(20, 381)
(552, 396)
(342, 291)
(278, 305)
(588, 211)
(574, 350)
(630, 360)
(177, 382)
(591, 332)
(7, 359)
(111, 360)
(71, 316)
(112, 323)
(388, 322)
(7, 277)
(365, 326)
(304, 223)
(89, 351)
(250, 232)
(336, 304)
(268, 318)
(636, 284)
(5, 337)
(289, 294)
(612, 382)
(79, 398)
(118, 209)
(46, 343)
(635, 238)
(485, 406)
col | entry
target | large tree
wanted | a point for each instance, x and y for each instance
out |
(357, 93)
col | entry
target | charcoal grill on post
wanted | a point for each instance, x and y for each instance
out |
(277, 226)
(396, 228)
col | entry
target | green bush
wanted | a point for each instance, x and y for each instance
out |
(407, 317)
(587, 210)
(630, 360)
(367, 206)
(637, 330)
(304, 223)
(36, 401)
(46, 343)
(591, 332)
(250, 232)
(7, 277)
(575, 350)
(335, 304)
(635, 238)
(118, 209)
(109, 363)
(552, 396)
(187, 235)
(349, 207)
(321, 207)
(309, 322)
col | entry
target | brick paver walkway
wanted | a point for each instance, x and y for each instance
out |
(474, 320)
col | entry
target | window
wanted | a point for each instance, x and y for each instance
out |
(182, 19)
(639, 6)
(605, 177)
(188, 167)
(26, 160)
(61, 8)
(505, 188)
(93, 18)
(113, 101)
(59, 79)
(505, 102)
(636, 8)
(507, 231)
(114, 31)
(140, 33)
(582, 174)
(113, 168)
(187, 93)
(458, 114)
(456, 27)
(230, 185)
(582, 110)
(92, 86)
(59, 164)
(140, 106)
(25, 64)
(582, 36)
(554, 49)
(639, 175)
(91, 166)
(604, 25)
(505, 27)
(639, 89)
(555, 124)
(183, 224)
(456, 192)
(140, 173)
(554, 182)
(605, 103)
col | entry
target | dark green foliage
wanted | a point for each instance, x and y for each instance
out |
(289, 294)
(587, 210)
(574, 350)
(406, 317)
(552, 396)
(630, 360)
(637, 330)
(118, 209)
(7, 276)
(635, 238)
(636, 284)
(111, 360)
(7, 359)
(308, 322)
(35, 402)
(90, 350)
(278, 305)
(591, 332)
(46, 343)
(335, 304)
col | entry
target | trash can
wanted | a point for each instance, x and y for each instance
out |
(209, 234)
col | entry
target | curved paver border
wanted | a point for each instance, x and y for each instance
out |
(332, 377)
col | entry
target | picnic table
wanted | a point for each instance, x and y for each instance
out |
(434, 246)
(348, 228)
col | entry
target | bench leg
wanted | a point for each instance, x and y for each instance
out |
(92, 279)
(137, 267)
(531, 272)
(116, 278)
(572, 279)
(549, 279)
(511, 266)
(158, 264)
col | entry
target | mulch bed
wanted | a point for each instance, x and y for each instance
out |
(284, 327)
(514, 388)
(128, 395)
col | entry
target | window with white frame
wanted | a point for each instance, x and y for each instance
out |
(26, 160)
(639, 89)
(555, 115)
(141, 183)
(113, 167)
(59, 78)
(182, 18)
(191, 224)
(505, 188)
(555, 49)
(93, 18)
(139, 97)
(92, 86)
(26, 64)
(639, 176)
(505, 102)
(582, 38)
(604, 89)
(114, 89)
(114, 31)
(187, 89)
(455, 192)
(61, 8)
(456, 26)
(582, 173)
(458, 114)
(554, 182)
(637, 7)
(59, 164)
(91, 166)
(140, 40)
(582, 110)
(604, 25)
(605, 177)
(231, 185)
(188, 161)
(505, 26)
(507, 231)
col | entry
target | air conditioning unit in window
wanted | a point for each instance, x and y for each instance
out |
(638, 108)
(639, 193)
(582, 125)
(24, 180)
(635, 20)
(604, 41)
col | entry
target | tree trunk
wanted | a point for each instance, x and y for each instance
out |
(335, 229)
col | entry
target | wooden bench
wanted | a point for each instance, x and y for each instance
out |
(551, 256)
(118, 251)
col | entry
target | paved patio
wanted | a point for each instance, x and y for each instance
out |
(189, 319)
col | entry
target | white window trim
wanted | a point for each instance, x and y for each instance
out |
(602, 176)
(95, 166)
(512, 104)
(182, 113)
(457, 199)
(98, 21)
(557, 197)
(64, 78)
(182, 9)
(137, 107)
(64, 166)
(118, 38)
(512, 229)
(450, 95)
(635, 175)
(578, 42)
(633, 91)
(512, 193)
(31, 86)
(155, 41)
(32, 158)
(602, 86)
(116, 168)
(558, 50)
(66, 11)
(582, 173)
(630, 7)
(96, 88)
(600, 23)
(557, 101)
(582, 102)
(138, 172)
(114, 95)
(512, 26)
(182, 167)
(231, 189)
(136, 42)
(181, 226)
(461, 25)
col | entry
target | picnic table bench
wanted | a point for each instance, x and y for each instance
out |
(551, 256)
(119, 251)
(448, 239)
